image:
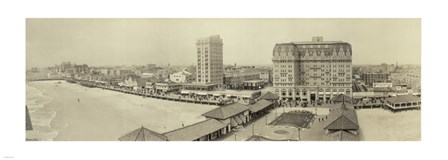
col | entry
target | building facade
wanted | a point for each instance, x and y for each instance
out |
(371, 78)
(181, 77)
(235, 80)
(312, 70)
(82, 68)
(210, 60)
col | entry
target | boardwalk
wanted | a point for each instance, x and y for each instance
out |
(173, 97)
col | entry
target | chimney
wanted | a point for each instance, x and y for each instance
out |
(318, 39)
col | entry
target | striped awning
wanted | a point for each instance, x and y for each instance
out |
(238, 120)
(242, 118)
(233, 123)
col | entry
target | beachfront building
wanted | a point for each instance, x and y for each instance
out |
(260, 108)
(143, 134)
(181, 77)
(342, 124)
(312, 70)
(232, 115)
(403, 102)
(219, 122)
(210, 61)
(131, 82)
(167, 87)
(207, 130)
(200, 87)
(202, 131)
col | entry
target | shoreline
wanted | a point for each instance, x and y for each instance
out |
(113, 113)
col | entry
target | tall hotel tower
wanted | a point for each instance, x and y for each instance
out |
(312, 70)
(210, 61)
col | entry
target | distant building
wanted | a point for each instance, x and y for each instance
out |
(147, 75)
(266, 76)
(235, 80)
(210, 60)
(82, 69)
(370, 78)
(162, 73)
(312, 70)
(151, 65)
(125, 72)
(181, 77)
(382, 87)
(413, 78)
(65, 66)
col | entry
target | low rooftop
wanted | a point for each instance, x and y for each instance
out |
(226, 111)
(403, 98)
(195, 131)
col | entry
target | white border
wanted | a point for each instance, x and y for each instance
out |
(12, 40)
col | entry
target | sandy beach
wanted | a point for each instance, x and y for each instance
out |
(101, 115)
(384, 125)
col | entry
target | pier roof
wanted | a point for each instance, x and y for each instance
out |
(227, 111)
(143, 134)
(259, 105)
(195, 131)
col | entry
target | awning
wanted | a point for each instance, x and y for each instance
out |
(328, 93)
(242, 118)
(201, 94)
(217, 95)
(246, 96)
(321, 92)
(233, 123)
(238, 120)
(184, 92)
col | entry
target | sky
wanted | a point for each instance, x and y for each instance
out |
(246, 41)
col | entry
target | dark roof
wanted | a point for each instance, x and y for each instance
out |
(341, 136)
(29, 125)
(143, 134)
(195, 131)
(142, 81)
(227, 111)
(342, 119)
(341, 97)
(269, 96)
(259, 105)
(403, 98)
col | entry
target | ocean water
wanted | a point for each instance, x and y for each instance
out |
(41, 116)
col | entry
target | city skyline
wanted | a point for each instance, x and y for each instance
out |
(133, 41)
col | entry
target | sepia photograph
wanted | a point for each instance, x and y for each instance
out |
(223, 79)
